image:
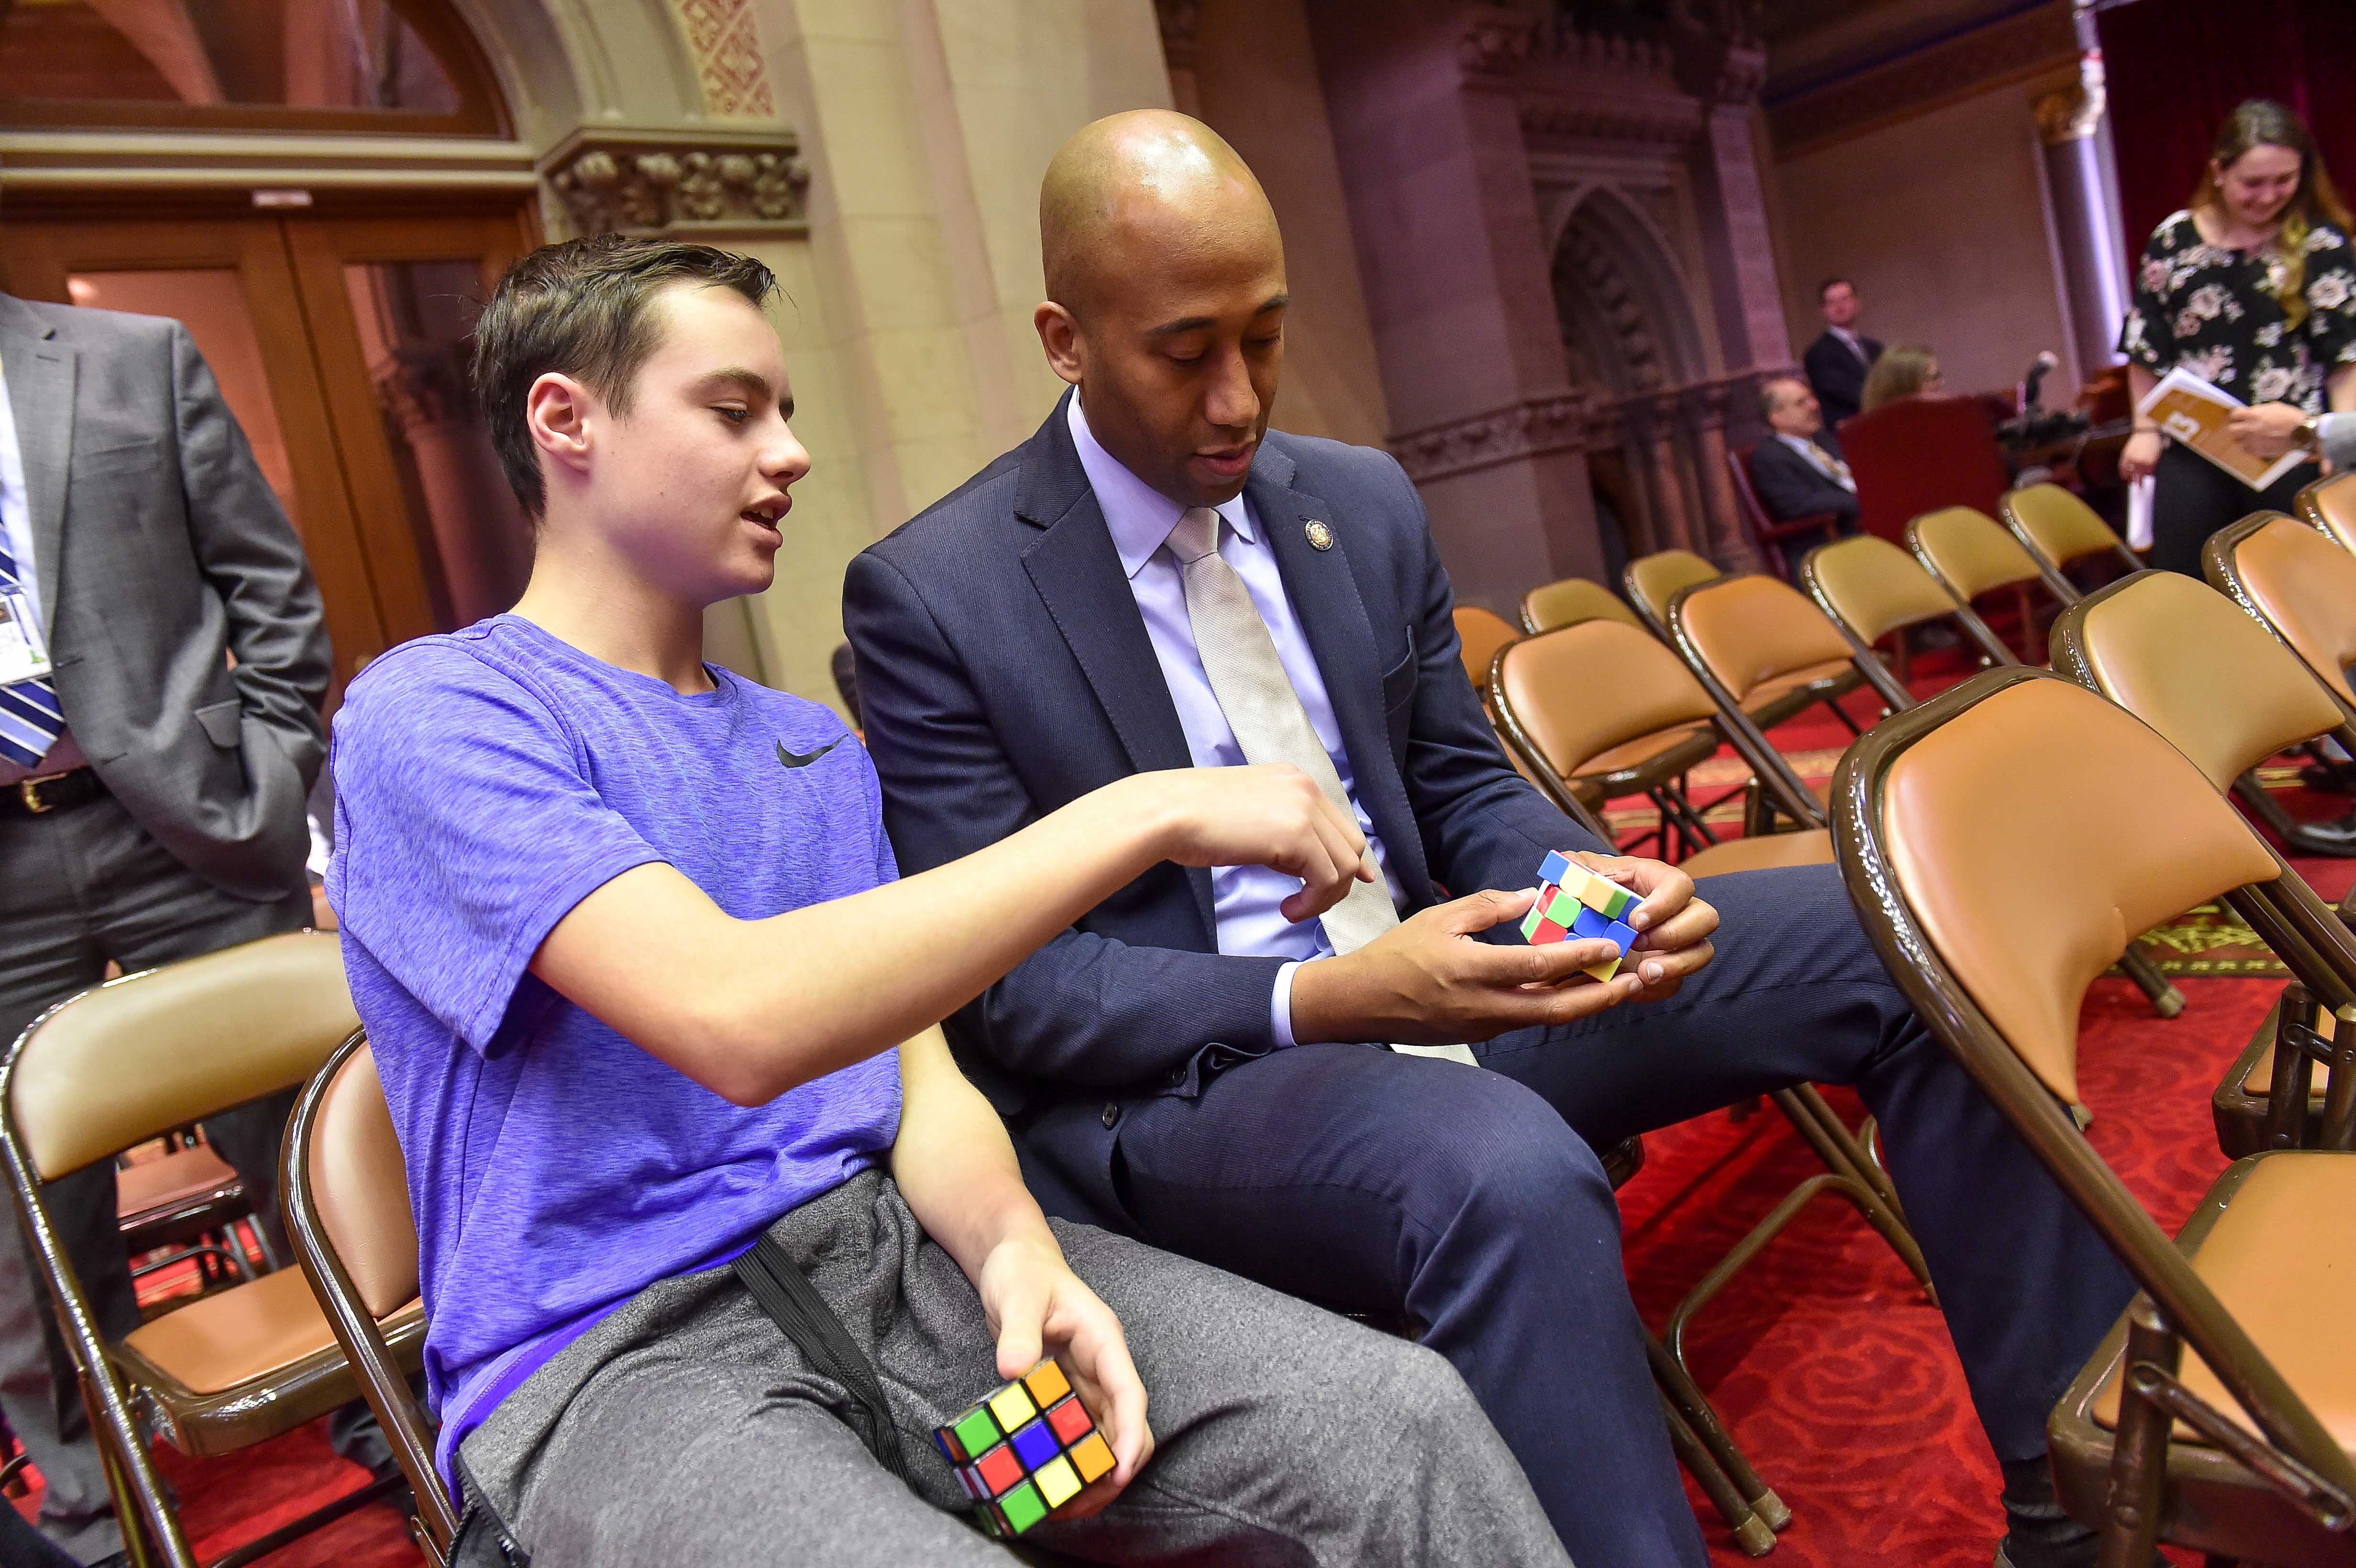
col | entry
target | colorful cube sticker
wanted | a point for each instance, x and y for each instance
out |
(1574, 901)
(1027, 1450)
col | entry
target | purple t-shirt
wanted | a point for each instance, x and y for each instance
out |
(486, 783)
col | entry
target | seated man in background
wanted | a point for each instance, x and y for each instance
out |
(623, 930)
(1797, 471)
(1156, 578)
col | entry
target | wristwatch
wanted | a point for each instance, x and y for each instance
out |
(2310, 435)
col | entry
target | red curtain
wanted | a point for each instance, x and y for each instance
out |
(2176, 67)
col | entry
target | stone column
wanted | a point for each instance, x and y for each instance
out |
(1726, 71)
(1653, 422)
(1730, 547)
(2073, 125)
(471, 516)
(1426, 128)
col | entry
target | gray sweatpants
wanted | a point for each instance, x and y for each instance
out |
(686, 1429)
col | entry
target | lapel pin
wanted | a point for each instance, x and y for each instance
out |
(1320, 536)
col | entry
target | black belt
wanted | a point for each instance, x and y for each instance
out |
(52, 792)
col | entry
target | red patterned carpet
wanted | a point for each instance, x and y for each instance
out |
(1829, 1368)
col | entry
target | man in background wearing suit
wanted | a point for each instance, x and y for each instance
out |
(151, 794)
(1156, 580)
(1797, 470)
(1839, 357)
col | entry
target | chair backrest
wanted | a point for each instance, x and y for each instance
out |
(1651, 581)
(2057, 525)
(2331, 505)
(346, 1189)
(136, 1057)
(1969, 551)
(1748, 630)
(1916, 454)
(2182, 658)
(1998, 868)
(1572, 600)
(1873, 587)
(1479, 634)
(1565, 696)
(2295, 580)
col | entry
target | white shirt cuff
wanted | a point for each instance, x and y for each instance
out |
(1279, 1012)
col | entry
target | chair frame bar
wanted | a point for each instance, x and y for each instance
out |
(2308, 504)
(436, 1523)
(1783, 788)
(2181, 1298)
(2057, 581)
(1991, 646)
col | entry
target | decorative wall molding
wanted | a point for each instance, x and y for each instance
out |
(729, 64)
(1493, 44)
(648, 181)
(1569, 422)
(2026, 44)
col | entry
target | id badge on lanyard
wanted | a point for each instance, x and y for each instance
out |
(23, 656)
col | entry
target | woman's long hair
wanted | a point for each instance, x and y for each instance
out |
(1898, 373)
(2262, 123)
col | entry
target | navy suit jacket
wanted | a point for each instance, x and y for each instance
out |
(1004, 671)
(1790, 487)
(1838, 376)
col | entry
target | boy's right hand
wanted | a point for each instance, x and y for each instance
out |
(1272, 816)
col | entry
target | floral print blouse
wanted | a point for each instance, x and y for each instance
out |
(2209, 309)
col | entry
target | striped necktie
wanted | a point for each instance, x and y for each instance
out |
(30, 718)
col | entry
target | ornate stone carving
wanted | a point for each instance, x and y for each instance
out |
(729, 64)
(1570, 422)
(2022, 45)
(1603, 87)
(1494, 42)
(2071, 115)
(611, 182)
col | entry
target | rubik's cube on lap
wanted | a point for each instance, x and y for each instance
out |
(1574, 901)
(1027, 1450)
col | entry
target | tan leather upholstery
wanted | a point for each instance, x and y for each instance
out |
(1970, 549)
(2030, 868)
(237, 1335)
(1635, 754)
(151, 1051)
(1874, 588)
(1808, 846)
(1767, 692)
(1589, 691)
(191, 1175)
(1572, 600)
(2333, 501)
(1653, 580)
(1479, 634)
(1751, 631)
(2184, 659)
(360, 1185)
(2306, 586)
(2277, 1260)
(2059, 525)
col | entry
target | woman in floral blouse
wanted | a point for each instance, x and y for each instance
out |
(2254, 289)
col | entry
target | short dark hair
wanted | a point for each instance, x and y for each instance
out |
(1767, 391)
(579, 309)
(1826, 286)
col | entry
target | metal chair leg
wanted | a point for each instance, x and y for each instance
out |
(1834, 1145)
(1685, 1396)
(1751, 1245)
(1751, 1531)
(2138, 1476)
(2166, 1000)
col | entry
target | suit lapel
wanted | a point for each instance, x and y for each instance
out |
(1077, 574)
(40, 371)
(1333, 621)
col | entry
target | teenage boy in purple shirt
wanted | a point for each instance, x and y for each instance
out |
(627, 935)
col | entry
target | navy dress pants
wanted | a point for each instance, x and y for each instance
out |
(1473, 1201)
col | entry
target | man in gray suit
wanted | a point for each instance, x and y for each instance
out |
(151, 791)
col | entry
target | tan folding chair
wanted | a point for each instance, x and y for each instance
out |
(125, 1063)
(1572, 600)
(1654, 580)
(1876, 592)
(1997, 870)
(2061, 530)
(1972, 556)
(2331, 505)
(1479, 634)
(2299, 584)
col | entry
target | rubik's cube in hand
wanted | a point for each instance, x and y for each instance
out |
(1027, 1450)
(1574, 901)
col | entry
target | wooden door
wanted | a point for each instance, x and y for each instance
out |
(340, 346)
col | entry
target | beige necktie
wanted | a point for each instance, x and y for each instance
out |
(1265, 712)
(1832, 467)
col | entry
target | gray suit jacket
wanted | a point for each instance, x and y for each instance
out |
(158, 552)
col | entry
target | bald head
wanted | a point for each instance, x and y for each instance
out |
(1134, 187)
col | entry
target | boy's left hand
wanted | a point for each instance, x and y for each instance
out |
(1037, 1306)
(1673, 927)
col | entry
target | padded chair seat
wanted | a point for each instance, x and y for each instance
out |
(1809, 847)
(194, 1177)
(233, 1368)
(1780, 697)
(1696, 742)
(2281, 1257)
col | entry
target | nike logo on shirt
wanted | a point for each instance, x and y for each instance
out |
(794, 759)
